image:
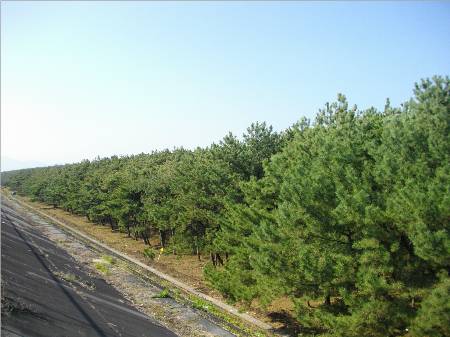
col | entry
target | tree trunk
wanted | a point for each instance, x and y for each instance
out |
(145, 238)
(111, 223)
(173, 235)
(197, 249)
(219, 259)
(161, 238)
(328, 300)
(115, 224)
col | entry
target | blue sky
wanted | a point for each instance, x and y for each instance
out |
(81, 79)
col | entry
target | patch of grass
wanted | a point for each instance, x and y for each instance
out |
(176, 293)
(149, 253)
(201, 304)
(162, 294)
(104, 263)
(109, 259)
(72, 278)
(69, 277)
(102, 268)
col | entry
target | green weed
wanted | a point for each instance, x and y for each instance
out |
(162, 294)
(109, 259)
(101, 267)
(149, 253)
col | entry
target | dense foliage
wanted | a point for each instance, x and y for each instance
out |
(347, 215)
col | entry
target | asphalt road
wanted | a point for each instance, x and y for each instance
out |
(46, 293)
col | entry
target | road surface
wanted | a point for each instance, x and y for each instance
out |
(45, 292)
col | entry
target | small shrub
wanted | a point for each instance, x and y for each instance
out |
(200, 304)
(162, 294)
(109, 259)
(176, 293)
(101, 267)
(149, 253)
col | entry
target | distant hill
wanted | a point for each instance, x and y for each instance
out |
(9, 164)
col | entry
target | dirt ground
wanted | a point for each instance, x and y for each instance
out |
(186, 268)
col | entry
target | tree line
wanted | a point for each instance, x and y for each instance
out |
(347, 215)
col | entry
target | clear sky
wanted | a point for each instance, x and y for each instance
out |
(81, 79)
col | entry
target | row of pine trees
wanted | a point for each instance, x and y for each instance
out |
(347, 215)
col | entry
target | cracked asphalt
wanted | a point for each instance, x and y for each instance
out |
(45, 292)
